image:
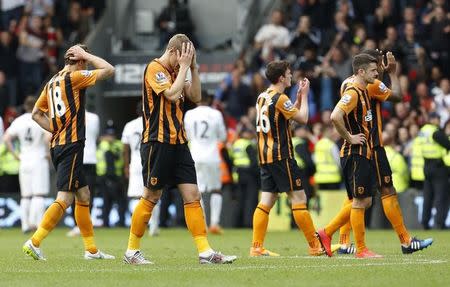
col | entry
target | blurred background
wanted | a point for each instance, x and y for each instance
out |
(235, 39)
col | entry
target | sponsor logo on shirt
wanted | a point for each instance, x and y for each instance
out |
(161, 78)
(288, 106)
(368, 116)
(346, 99)
(86, 73)
(382, 88)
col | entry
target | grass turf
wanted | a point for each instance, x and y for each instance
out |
(176, 262)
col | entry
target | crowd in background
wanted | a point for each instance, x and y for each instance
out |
(318, 38)
(33, 37)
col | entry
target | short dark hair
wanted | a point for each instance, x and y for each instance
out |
(362, 61)
(374, 53)
(67, 56)
(276, 69)
(29, 103)
(206, 98)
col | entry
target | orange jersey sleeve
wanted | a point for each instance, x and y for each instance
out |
(158, 78)
(42, 103)
(83, 79)
(286, 107)
(348, 101)
(379, 91)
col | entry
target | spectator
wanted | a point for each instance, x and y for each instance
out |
(272, 39)
(439, 44)
(442, 100)
(30, 54)
(11, 12)
(71, 24)
(39, 8)
(304, 36)
(8, 66)
(175, 18)
(237, 97)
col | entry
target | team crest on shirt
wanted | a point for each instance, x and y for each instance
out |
(360, 189)
(86, 73)
(387, 179)
(153, 180)
(382, 88)
(346, 99)
(161, 78)
(288, 105)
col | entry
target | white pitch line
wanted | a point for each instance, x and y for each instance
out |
(229, 268)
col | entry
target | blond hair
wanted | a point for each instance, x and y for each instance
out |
(176, 42)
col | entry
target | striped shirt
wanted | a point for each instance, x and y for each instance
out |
(272, 126)
(63, 99)
(355, 102)
(378, 93)
(162, 119)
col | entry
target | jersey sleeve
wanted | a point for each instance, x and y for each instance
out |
(83, 78)
(42, 102)
(13, 129)
(125, 135)
(158, 78)
(348, 101)
(379, 91)
(286, 107)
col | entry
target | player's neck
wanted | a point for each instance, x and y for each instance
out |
(164, 60)
(360, 81)
(69, 68)
(279, 88)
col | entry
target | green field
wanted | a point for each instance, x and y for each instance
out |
(176, 262)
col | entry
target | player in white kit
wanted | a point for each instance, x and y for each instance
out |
(205, 128)
(89, 160)
(34, 170)
(131, 139)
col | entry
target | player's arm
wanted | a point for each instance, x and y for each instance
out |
(344, 107)
(301, 103)
(8, 138)
(40, 109)
(193, 89)
(184, 59)
(391, 68)
(104, 69)
(126, 160)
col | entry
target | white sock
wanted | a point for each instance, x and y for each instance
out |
(154, 220)
(37, 210)
(25, 213)
(216, 208)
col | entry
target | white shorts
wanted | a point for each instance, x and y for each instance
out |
(34, 178)
(208, 176)
(135, 185)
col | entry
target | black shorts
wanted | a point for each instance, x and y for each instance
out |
(359, 176)
(382, 168)
(281, 176)
(166, 164)
(68, 162)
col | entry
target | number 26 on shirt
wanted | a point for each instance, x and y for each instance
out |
(262, 120)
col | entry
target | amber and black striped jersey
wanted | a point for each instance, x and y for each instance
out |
(63, 99)
(163, 119)
(378, 93)
(355, 102)
(272, 126)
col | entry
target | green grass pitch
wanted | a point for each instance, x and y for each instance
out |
(176, 262)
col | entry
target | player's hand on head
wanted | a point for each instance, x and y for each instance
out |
(185, 56)
(194, 57)
(77, 53)
(391, 64)
(358, 139)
